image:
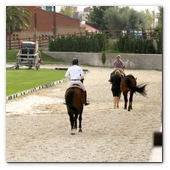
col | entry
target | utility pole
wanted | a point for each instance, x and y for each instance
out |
(35, 24)
(54, 23)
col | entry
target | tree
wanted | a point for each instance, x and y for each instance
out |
(160, 16)
(16, 17)
(67, 10)
(95, 16)
(124, 18)
(112, 18)
(150, 17)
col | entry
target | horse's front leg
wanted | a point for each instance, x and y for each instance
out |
(125, 99)
(80, 119)
(130, 101)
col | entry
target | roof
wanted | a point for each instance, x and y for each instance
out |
(60, 14)
(89, 28)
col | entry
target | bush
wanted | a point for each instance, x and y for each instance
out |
(75, 43)
(127, 45)
(103, 58)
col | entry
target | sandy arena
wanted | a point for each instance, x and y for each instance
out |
(38, 126)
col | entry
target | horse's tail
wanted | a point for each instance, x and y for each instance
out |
(140, 88)
(70, 99)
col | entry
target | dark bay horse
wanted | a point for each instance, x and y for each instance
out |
(129, 83)
(75, 98)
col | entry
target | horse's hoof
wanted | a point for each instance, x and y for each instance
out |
(80, 130)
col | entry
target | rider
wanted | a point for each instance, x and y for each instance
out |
(76, 74)
(118, 65)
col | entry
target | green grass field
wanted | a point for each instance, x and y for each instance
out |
(24, 79)
(11, 57)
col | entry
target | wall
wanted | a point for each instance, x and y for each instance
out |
(139, 61)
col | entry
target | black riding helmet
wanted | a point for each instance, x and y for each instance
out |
(75, 61)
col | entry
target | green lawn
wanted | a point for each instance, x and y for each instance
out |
(24, 79)
(11, 57)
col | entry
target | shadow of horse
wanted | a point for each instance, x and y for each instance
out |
(129, 83)
(75, 98)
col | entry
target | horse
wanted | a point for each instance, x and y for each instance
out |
(75, 98)
(129, 83)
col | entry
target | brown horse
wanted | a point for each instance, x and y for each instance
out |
(129, 83)
(74, 97)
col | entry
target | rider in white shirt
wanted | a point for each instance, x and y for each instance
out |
(75, 74)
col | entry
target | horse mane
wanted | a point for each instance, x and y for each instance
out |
(130, 75)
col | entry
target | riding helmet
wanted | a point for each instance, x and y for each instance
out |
(75, 61)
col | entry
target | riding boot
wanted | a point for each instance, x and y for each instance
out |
(86, 103)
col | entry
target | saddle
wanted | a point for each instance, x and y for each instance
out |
(78, 86)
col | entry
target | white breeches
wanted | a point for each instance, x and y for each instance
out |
(77, 82)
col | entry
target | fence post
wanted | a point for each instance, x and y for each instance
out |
(48, 38)
(10, 44)
(18, 43)
(39, 41)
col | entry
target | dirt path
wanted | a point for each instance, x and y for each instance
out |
(38, 127)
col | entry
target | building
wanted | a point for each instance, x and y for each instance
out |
(87, 9)
(81, 14)
(64, 25)
(46, 8)
(49, 8)
(89, 28)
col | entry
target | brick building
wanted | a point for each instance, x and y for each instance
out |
(64, 25)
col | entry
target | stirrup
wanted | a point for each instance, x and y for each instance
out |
(86, 103)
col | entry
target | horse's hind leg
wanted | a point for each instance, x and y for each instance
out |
(72, 124)
(130, 101)
(125, 99)
(75, 121)
(80, 119)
